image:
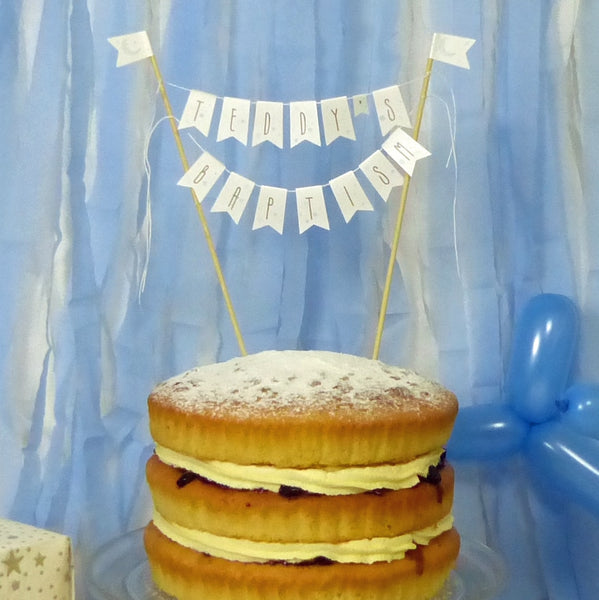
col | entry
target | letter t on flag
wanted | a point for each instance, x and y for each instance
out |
(451, 49)
(132, 47)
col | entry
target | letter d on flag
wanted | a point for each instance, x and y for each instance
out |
(132, 47)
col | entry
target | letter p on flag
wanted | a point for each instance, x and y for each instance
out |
(132, 47)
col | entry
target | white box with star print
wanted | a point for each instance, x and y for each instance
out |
(34, 563)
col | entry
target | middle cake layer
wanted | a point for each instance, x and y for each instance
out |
(267, 516)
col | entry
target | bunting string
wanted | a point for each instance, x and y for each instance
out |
(452, 158)
(146, 228)
(357, 100)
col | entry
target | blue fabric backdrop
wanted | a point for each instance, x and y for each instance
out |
(108, 286)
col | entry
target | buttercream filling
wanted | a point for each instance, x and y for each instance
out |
(366, 551)
(332, 481)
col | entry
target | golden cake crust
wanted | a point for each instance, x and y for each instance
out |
(188, 575)
(301, 409)
(270, 517)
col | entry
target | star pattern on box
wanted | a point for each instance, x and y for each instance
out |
(13, 562)
(40, 559)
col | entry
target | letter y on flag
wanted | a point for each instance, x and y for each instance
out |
(132, 47)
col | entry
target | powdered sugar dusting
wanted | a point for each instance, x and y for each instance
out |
(297, 381)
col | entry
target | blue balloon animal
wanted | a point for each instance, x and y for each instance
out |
(555, 425)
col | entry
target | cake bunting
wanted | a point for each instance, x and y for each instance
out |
(399, 152)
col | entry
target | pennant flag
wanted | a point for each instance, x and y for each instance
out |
(304, 123)
(270, 210)
(391, 109)
(268, 123)
(131, 47)
(360, 105)
(349, 195)
(234, 196)
(202, 175)
(404, 150)
(336, 119)
(381, 173)
(311, 209)
(451, 49)
(198, 111)
(234, 120)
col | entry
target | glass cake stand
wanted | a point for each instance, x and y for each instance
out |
(120, 571)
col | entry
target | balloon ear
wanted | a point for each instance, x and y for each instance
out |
(545, 340)
(566, 462)
(486, 431)
(581, 402)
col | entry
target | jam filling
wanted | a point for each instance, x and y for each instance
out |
(417, 556)
(318, 561)
(433, 476)
(291, 491)
(187, 478)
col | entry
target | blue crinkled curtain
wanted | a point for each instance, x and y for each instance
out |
(108, 285)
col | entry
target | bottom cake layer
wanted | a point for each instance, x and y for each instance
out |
(187, 574)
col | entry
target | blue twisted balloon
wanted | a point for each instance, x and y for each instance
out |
(556, 426)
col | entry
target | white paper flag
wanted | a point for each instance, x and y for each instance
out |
(311, 208)
(349, 195)
(198, 111)
(382, 174)
(391, 109)
(268, 123)
(451, 49)
(131, 47)
(270, 210)
(234, 120)
(360, 105)
(404, 150)
(202, 175)
(304, 127)
(336, 119)
(234, 196)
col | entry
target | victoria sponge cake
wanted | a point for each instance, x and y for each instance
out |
(289, 475)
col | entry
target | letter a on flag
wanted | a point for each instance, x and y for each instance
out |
(451, 49)
(132, 47)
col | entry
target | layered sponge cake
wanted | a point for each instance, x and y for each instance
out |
(301, 474)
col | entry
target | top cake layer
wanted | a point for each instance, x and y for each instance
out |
(298, 381)
(301, 409)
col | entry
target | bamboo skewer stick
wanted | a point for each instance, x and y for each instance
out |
(400, 217)
(199, 209)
